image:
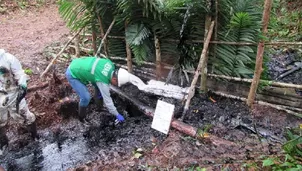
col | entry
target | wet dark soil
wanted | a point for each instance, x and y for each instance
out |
(70, 143)
(283, 61)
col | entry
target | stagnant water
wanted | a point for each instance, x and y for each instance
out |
(72, 143)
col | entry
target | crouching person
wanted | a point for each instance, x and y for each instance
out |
(13, 88)
(100, 72)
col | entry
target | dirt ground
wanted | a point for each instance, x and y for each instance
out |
(65, 143)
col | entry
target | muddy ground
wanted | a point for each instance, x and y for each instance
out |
(66, 143)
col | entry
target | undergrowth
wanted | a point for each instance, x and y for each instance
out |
(286, 21)
(290, 161)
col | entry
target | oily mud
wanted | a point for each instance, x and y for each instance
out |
(220, 115)
(253, 131)
(68, 143)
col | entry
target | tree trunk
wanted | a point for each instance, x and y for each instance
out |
(203, 78)
(259, 59)
(215, 34)
(94, 41)
(158, 58)
(200, 67)
(129, 55)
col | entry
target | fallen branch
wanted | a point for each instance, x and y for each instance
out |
(176, 124)
(56, 57)
(200, 68)
(105, 36)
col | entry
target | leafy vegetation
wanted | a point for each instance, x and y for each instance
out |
(286, 20)
(183, 21)
(291, 161)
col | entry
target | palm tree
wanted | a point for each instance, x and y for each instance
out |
(182, 20)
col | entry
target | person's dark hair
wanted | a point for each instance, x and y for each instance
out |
(115, 72)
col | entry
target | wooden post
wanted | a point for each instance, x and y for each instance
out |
(198, 69)
(128, 51)
(259, 58)
(106, 51)
(203, 79)
(158, 58)
(215, 33)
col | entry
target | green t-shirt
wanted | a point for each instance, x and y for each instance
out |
(92, 69)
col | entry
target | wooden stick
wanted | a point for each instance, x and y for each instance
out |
(278, 107)
(277, 84)
(198, 70)
(259, 58)
(105, 36)
(57, 56)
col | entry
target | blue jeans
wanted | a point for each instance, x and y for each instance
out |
(79, 88)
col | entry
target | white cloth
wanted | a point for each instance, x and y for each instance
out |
(9, 83)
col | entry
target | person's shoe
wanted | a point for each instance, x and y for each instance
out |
(3, 141)
(82, 113)
(33, 130)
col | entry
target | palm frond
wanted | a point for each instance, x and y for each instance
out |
(136, 34)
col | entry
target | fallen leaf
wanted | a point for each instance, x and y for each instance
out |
(137, 155)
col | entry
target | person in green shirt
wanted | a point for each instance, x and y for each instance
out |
(99, 72)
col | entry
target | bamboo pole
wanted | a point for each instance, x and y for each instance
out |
(259, 59)
(200, 67)
(158, 58)
(277, 84)
(278, 107)
(57, 56)
(128, 51)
